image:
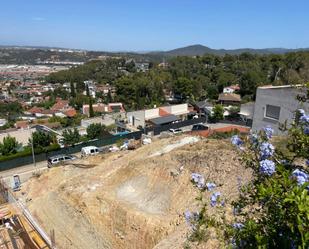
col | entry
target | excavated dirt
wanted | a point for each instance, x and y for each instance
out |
(132, 199)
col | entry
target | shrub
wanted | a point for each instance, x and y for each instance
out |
(273, 210)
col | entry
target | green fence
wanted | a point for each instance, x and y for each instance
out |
(21, 161)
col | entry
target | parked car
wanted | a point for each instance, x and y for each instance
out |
(90, 151)
(176, 131)
(54, 160)
(200, 127)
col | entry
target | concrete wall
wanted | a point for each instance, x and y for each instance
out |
(176, 109)
(285, 97)
(152, 113)
(136, 118)
(22, 135)
(247, 110)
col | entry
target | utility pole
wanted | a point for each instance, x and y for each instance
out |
(32, 147)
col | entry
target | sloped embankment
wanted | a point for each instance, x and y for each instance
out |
(130, 199)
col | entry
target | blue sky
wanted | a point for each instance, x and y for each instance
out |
(154, 25)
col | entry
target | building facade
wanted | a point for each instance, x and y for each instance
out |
(276, 106)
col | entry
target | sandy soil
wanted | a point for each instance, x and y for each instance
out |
(129, 199)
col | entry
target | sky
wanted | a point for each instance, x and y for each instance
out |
(152, 25)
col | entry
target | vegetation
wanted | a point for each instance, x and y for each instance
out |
(41, 139)
(96, 131)
(11, 109)
(217, 114)
(190, 78)
(273, 210)
(71, 137)
(9, 146)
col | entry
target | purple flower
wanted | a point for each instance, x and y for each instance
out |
(235, 140)
(191, 218)
(301, 176)
(266, 150)
(307, 162)
(306, 130)
(304, 119)
(210, 186)
(301, 112)
(214, 198)
(199, 180)
(238, 225)
(268, 132)
(267, 167)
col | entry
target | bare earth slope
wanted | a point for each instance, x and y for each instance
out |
(131, 199)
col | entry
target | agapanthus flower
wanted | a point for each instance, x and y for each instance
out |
(301, 112)
(267, 167)
(304, 119)
(307, 162)
(191, 218)
(210, 186)
(238, 225)
(300, 176)
(235, 140)
(266, 150)
(268, 132)
(306, 130)
(199, 180)
(214, 198)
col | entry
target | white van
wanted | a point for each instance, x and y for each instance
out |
(89, 151)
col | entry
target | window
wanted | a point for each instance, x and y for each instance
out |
(272, 112)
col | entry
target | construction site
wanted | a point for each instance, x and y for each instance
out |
(125, 199)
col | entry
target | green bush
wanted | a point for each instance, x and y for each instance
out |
(28, 152)
(272, 211)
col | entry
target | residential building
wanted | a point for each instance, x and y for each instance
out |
(276, 106)
(246, 112)
(60, 105)
(158, 116)
(98, 108)
(231, 89)
(91, 85)
(229, 99)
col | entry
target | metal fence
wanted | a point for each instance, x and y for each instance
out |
(21, 161)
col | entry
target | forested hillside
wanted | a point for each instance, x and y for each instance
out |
(191, 77)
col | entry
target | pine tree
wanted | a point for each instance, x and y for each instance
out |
(91, 112)
(73, 93)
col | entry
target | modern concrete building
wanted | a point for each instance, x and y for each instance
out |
(246, 112)
(276, 105)
(170, 113)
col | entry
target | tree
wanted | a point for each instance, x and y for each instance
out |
(73, 93)
(41, 139)
(218, 112)
(96, 131)
(71, 136)
(9, 146)
(91, 111)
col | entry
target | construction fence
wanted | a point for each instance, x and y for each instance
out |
(34, 234)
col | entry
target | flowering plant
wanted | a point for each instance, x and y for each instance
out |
(273, 210)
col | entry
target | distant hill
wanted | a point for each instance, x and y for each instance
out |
(201, 50)
(35, 55)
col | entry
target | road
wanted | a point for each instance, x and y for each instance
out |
(25, 172)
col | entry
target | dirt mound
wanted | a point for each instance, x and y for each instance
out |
(131, 200)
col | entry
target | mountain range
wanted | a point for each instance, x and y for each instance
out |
(201, 50)
(33, 55)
